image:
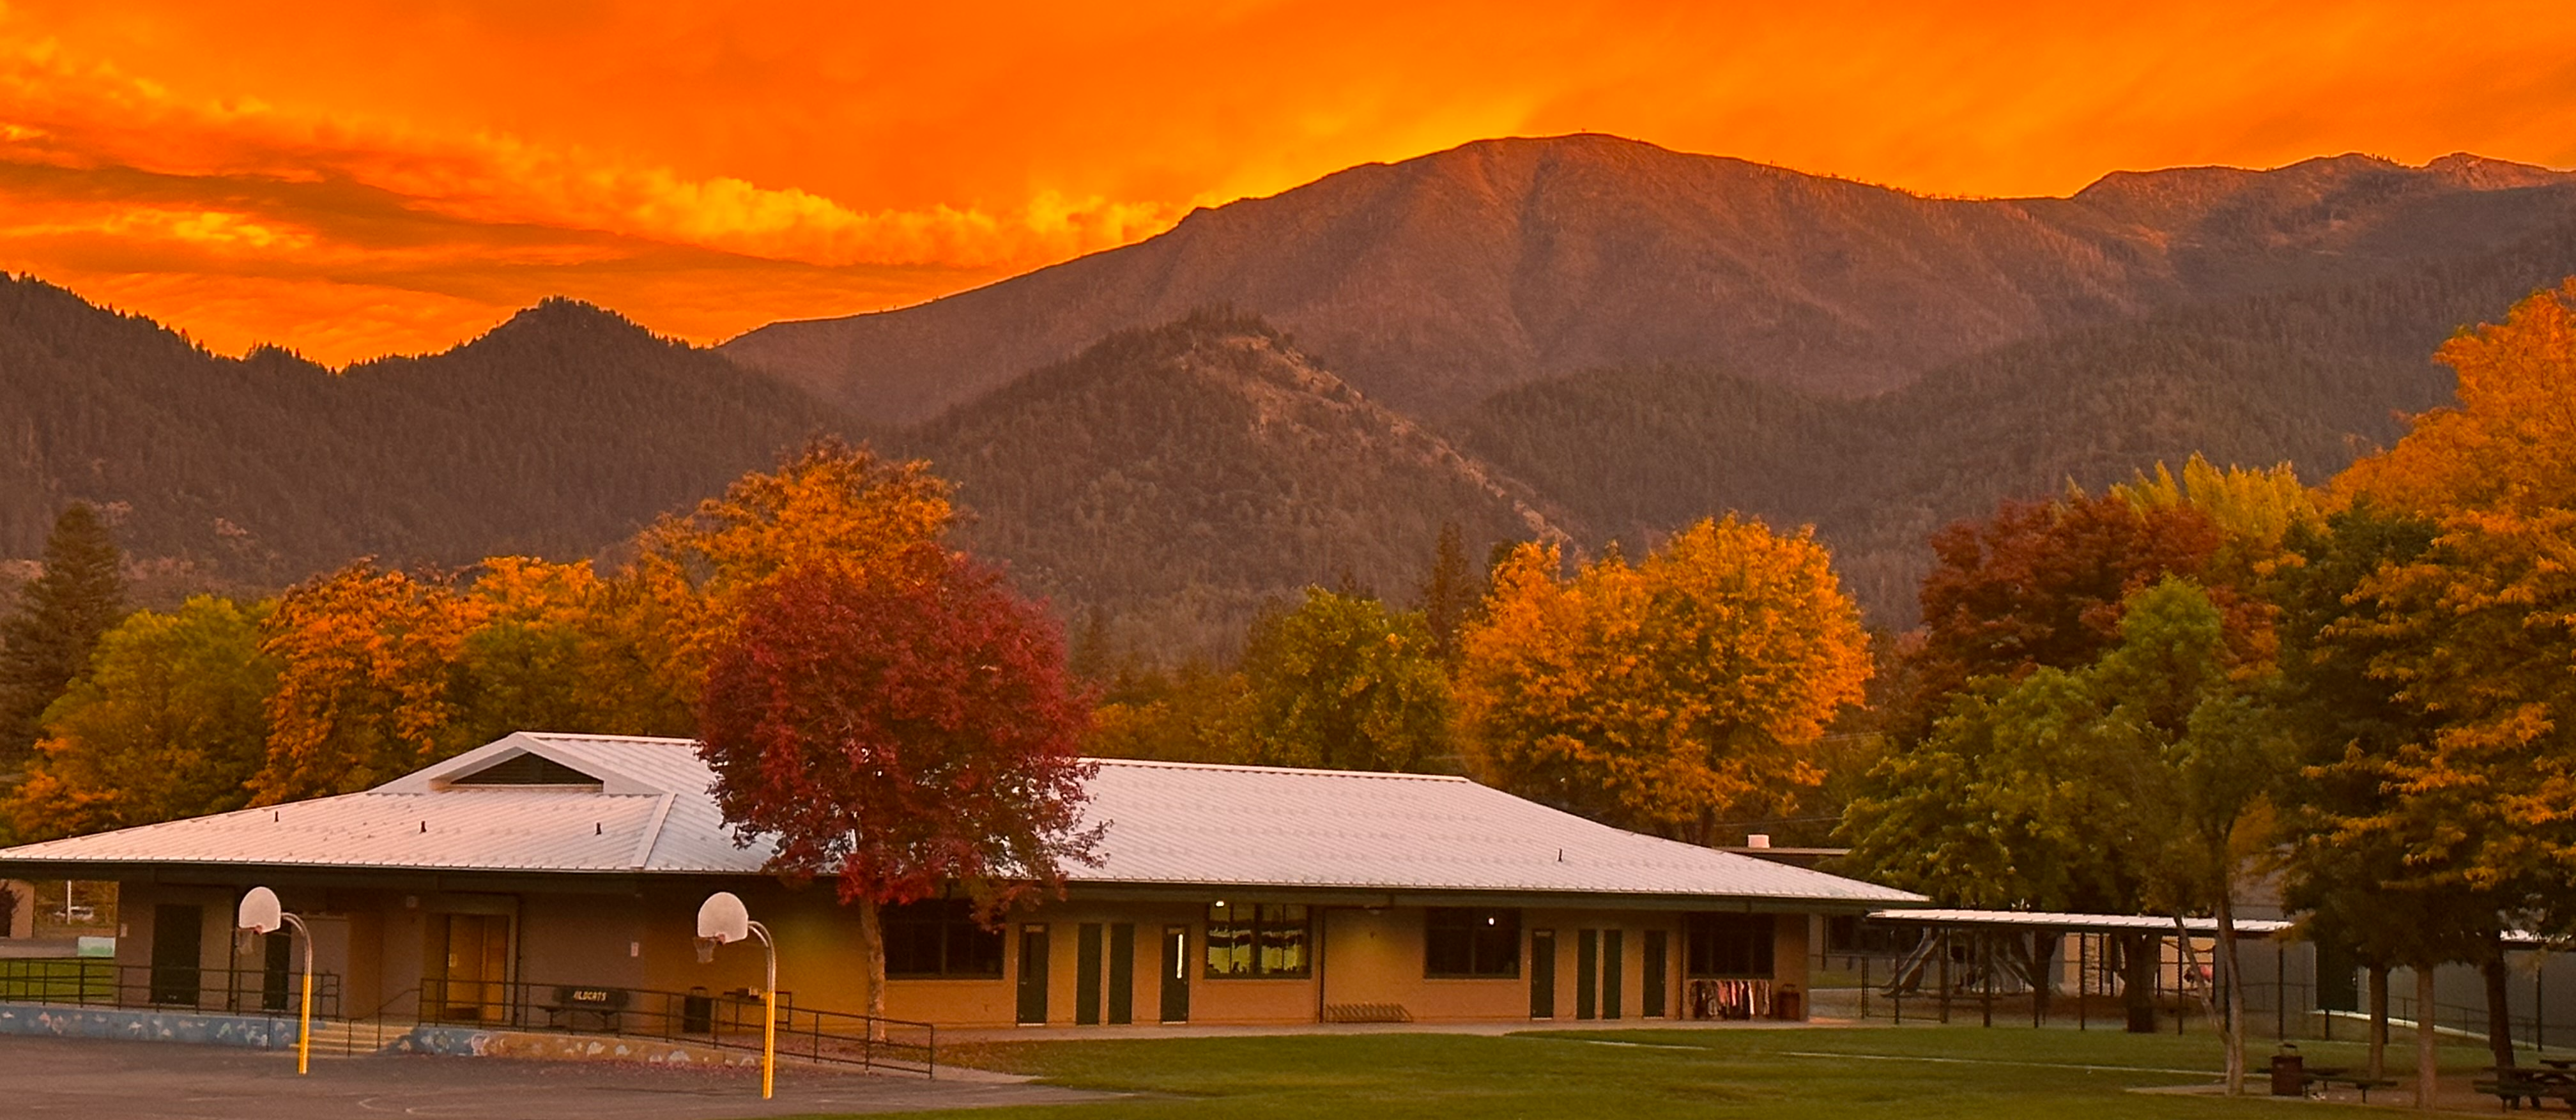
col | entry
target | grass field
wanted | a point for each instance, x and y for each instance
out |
(1910, 1073)
(52, 980)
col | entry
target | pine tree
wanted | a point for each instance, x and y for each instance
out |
(46, 643)
(1450, 593)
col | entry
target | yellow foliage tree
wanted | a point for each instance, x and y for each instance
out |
(365, 688)
(1665, 694)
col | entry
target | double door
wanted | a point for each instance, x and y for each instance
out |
(472, 953)
(1104, 979)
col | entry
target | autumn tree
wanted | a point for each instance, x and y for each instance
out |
(2041, 585)
(2121, 785)
(366, 687)
(1340, 682)
(830, 506)
(45, 644)
(900, 729)
(168, 723)
(1197, 712)
(1665, 694)
(2476, 633)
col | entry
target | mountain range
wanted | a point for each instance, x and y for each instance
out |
(1581, 338)
(1434, 283)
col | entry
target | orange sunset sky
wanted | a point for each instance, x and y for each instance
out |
(359, 177)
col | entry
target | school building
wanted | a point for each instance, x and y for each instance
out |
(1223, 894)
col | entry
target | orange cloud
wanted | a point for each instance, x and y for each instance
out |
(369, 175)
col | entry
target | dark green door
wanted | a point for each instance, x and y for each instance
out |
(1033, 974)
(1613, 971)
(277, 964)
(1086, 974)
(1654, 995)
(1587, 973)
(1542, 970)
(178, 934)
(1122, 973)
(1176, 974)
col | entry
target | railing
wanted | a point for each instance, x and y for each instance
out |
(723, 1020)
(87, 982)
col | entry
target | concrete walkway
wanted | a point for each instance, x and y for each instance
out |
(1061, 1033)
(94, 1078)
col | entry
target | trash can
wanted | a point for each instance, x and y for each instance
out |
(2289, 1072)
(1785, 1004)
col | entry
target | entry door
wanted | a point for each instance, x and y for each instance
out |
(478, 968)
(1542, 974)
(277, 964)
(1086, 974)
(177, 940)
(1176, 974)
(1614, 959)
(1656, 942)
(1587, 972)
(1122, 973)
(1033, 974)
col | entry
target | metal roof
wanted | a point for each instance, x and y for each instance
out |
(2075, 923)
(1166, 824)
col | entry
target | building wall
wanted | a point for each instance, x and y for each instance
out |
(383, 943)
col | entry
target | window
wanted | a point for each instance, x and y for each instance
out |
(1466, 941)
(1256, 940)
(939, 937)
(1729, 946)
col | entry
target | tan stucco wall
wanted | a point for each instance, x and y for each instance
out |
(379, 942)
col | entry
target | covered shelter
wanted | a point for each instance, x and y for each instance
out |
(1982, 956)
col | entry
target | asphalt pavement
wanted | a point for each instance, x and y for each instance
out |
(96, 1079)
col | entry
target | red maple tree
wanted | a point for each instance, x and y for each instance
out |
(902, 730)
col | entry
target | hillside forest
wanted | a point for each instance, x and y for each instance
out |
(2359, 686)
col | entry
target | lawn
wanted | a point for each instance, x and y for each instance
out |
(1912, 1073)
(57, 980)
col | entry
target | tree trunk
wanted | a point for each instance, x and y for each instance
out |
(2138, 980)
(2378, 1021)
(2499, 1010)
(872, 931)
(2043, 979)
(2427, 1062)
(2229, 977)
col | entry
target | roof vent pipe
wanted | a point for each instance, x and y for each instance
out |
(1757, 840)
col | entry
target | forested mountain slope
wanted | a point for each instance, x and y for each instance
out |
(1178, 477)
(556, 433)
(2308, 377)
(1433, 283)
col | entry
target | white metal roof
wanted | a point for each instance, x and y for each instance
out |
(1167, 823)
(2082, 923)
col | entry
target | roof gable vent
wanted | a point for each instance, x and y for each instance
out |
(526, 770)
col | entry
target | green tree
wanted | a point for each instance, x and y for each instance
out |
(167, 724)
(1451, 593)
(46, 643)
(1342, 683)
(2121, 785)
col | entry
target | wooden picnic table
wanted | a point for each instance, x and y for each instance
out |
(2512, 1085)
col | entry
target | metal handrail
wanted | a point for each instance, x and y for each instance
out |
(720, 1020)
(90, 982)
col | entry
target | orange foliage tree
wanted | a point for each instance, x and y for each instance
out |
(1664, 694)
(365, 685)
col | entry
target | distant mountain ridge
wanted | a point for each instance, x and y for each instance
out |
(1434, 283)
